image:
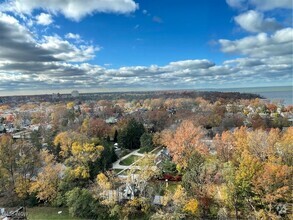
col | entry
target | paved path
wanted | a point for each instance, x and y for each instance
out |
(116, 164)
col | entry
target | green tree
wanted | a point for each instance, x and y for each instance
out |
(129, 137)
(193, 177)
(105, 161)
(146, 142)
(81, 203)
(115, 136)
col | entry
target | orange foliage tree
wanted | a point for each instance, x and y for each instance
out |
(183, 142)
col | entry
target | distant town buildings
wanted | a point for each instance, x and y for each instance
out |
(75, 94)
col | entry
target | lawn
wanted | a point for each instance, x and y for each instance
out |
(115, 171)
(48, 213)
(160, 188)
(172, 186)
(129, 160)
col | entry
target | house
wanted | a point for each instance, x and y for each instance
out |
(111, 120)
(171, 111)
(163, 155)
(130, 191)
(74, 94)
(158, 200)
(2, 129)
(19, 214)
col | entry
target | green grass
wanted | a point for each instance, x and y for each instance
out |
(172, 186)
(48, 213)
(115, 171)
(129, 160)
(160, 188)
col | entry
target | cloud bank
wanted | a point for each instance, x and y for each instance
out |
(72, 9)
(53, 62)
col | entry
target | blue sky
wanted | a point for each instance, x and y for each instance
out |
(118, 45)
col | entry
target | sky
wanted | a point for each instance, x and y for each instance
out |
(127, 45)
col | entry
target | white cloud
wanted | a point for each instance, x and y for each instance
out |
(179, 74)
(19, 44)
(71, 9)
(64, 50)
(254, 21)
(264, 5)
(192, 64)
(44, 19)
(236, 3)
(72, 36)
(31, 62)
(261, 45)
(271, 4)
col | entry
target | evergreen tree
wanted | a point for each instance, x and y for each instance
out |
(129, 137)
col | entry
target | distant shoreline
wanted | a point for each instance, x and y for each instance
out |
(251, 90)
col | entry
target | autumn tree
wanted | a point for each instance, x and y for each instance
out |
(284, 147)
(148, 169)
(28, 163)
(261, 143)
(258, 122)
(59, 116)
(47, 182)
(199, 180)
(183, 142)
(272, 185)
(18, 164)
(65, 141)
(180, 205)
(78, 152)
(82, 155)
(98, 128)
(159, 119)
(8, 159)
(224, 146)
(136, 207)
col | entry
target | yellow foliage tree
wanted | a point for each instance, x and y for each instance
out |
(191, 206)
(70, 105)
(148, 168)
(82, 154)
(47, 181)
(22, 185)
(65, 141)
(285, 147)
(135, 206)
(179, 197)
(103, 181)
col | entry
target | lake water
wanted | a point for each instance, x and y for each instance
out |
(280, 93)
